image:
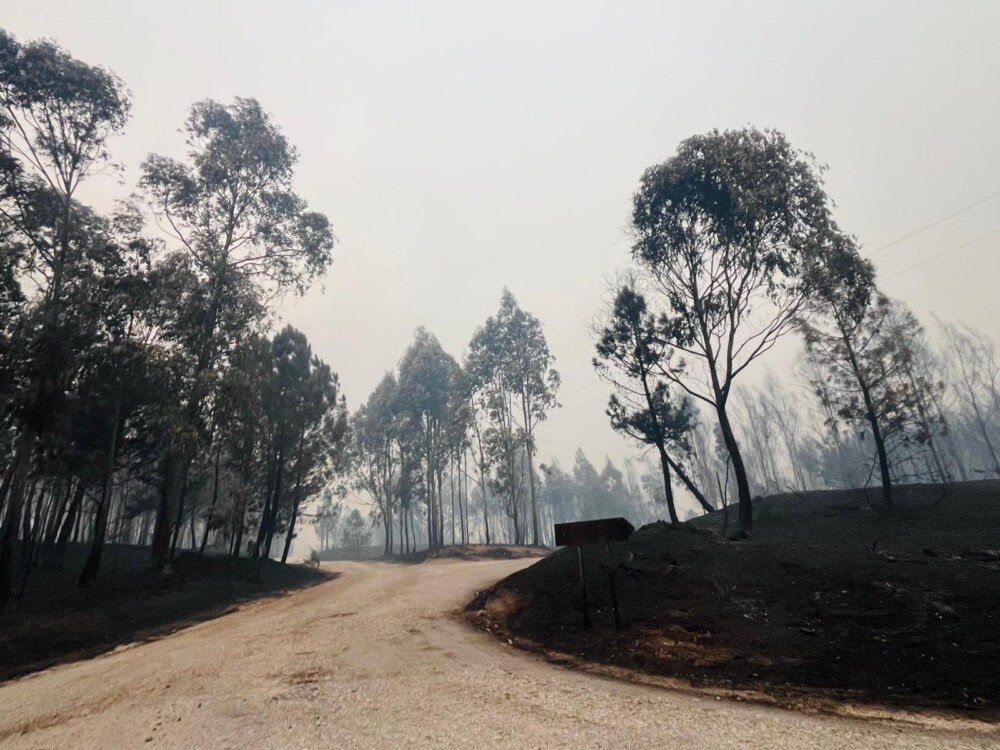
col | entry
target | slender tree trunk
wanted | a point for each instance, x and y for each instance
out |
(215, 498)
(238, 536)
(26, 526)
(4, 486)
(403, 536)
(23, 455)
(144, 530)
(739, 469)
(263, 546)
(295, 503)
(529, 452)
(668, 490)
(52, 531)
(463, 483)
(174, 473)
(180, 517)
(692, 487)
(31, 540)
(93, 564)
(883, 458)
(78, 521)
(440, 505)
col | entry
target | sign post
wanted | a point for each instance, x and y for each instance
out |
(603, 530)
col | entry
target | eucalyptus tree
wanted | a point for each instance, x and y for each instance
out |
(974, 383)
(244, 435)
(510, 368)
(478, 428)
(126, 374)
(725, 230)
(242, 235)
(427, 375)
(282, 395)
(861, 344)
(532, 378)
(56, 114)
(848, 352)
(321, 428)
(498, 440)
(376, 455)
(920, 379)
(630, 353)
(308, 431)
(355, 532)
(458, 441)
(327, 519)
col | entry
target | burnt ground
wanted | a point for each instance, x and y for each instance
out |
(56, 621)
(471, 552)
(830, 601)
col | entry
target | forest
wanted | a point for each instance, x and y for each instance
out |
(151, 396)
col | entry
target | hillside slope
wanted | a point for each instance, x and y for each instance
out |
(829, 600)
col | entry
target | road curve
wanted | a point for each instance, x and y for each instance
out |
(374, 659)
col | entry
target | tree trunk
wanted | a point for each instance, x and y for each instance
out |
(174, 473)
(23, 456)
(265, 532)
(61, 508)
(692, 488)
(403, 536)
(180, 517)
(93, 564)
(215, 498)
(295, 503)
(883, 458)
(665, 466)
(742, 481)
(528, 449)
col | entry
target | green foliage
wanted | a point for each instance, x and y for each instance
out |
(728, 232)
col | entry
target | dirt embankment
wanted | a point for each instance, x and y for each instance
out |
(830, 600)
(56, 621)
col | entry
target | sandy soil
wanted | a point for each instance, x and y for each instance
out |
(378, 658)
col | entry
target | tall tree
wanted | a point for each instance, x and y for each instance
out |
(974, 378)
(511, 377)
(630, 353)
(725, 229)
(243, 236)
(375, 454)
(427, 375)
(861, 362)
(56, 114)
(356, 534)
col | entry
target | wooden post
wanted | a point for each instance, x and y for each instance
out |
(614, 591)
(583, 586)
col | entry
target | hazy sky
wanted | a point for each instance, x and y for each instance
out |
(460, 147)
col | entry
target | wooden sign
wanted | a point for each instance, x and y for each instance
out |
(602, 530)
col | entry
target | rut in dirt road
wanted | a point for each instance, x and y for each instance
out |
(376, 658)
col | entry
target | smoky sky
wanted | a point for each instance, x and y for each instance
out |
(463, 147)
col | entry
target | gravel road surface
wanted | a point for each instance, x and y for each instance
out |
(376, 659)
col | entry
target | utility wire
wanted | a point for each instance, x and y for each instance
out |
(582, 387)
(941, 255)
(933, 224)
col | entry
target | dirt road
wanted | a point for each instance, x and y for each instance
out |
(374, 659)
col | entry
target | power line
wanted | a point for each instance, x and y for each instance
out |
(941, 255)
(581, 388)
(574, 407)
(933, 224)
